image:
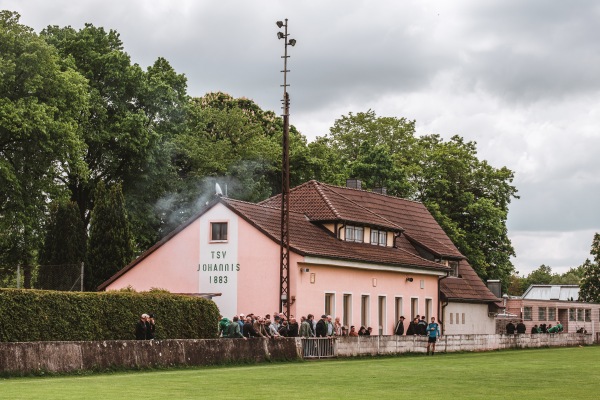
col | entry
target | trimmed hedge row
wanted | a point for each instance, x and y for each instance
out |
(41, 315)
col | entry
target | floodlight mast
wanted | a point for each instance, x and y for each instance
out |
(285, 300)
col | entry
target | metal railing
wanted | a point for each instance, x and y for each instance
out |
(318, 347)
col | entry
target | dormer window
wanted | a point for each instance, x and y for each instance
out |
(454, 266)
(378, 237)
(354, 233)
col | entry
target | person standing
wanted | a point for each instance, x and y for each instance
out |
(305, 330)
(321, 330)
(233, 330)
(412, 327)
(433, 331)
(521, 328)
(151, 327)
(337, 327)
(293, 328)
(141, 328)
(399, 330)
(510, 328)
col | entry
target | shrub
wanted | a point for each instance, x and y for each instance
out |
(39, 315)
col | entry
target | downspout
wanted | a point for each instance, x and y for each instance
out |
(443, 305)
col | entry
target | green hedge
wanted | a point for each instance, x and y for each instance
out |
(41, 315)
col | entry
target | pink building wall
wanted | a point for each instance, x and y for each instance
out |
(184, 264)
(173, 266)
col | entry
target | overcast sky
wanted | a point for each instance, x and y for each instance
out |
(521, 78)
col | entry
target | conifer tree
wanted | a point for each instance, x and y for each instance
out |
(64, 249)
(110, 242)
(590, 283)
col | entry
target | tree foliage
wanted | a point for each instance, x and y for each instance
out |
(110, 241)
(64, 249)
(468, 197)
(41, 101)
(590, 283)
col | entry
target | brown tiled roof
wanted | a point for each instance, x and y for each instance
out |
(315, 202)
(307, 238)
(468, 287)
(322, 202)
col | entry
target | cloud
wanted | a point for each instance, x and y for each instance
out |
(519, 78)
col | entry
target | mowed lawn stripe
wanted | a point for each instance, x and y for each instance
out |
(566, 373)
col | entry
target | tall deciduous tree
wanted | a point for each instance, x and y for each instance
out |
(132, 117)
(590, 283)
(110, 242)
(467, 196)
(42, 100)
(64, 249)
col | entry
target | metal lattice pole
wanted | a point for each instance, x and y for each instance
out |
(284, 256)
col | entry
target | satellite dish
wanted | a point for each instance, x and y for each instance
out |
(218, 190)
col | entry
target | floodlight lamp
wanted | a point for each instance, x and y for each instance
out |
(280, 35)
(279, 24)
(292, 42)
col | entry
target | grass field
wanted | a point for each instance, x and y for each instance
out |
(562, 373)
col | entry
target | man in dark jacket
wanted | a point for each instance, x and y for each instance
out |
(249, 330)
(521, 328)
(510, 328)
(293, 328)
(400, 327)
(422, 326)
(141, 328)
(321, 330)
(412, 327)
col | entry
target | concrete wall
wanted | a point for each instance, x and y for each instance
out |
(35, 357)
(467, 318)
(382, 345)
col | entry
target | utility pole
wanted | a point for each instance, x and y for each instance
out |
(284, 254)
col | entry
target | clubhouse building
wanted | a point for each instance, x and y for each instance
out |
(363, 256)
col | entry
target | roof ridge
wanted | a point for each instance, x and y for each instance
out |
(367, 191)
(319, 190)
(227, 199)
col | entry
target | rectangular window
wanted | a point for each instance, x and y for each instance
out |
(588, 315)
(398, 302)
(542, 313)
(428, 309)
(218, 231)
(454, 266)
(378, 237)
(580, 314)
(527, 313)
(354, 234)
(463, 318)
(381, 315)
(551, 314)
(457, 318)
(451, 318)
(414, 308)
(347, 315)
(364, 310)
(572, 314)
(329, 303)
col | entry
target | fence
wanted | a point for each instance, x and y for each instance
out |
(318, 347)
(65, 277)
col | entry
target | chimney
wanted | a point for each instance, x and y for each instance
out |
(495, 287)
(380, 190)
(354, 184)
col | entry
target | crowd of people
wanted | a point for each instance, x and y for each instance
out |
(278, 326)
(145, 328)
(520, 328)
